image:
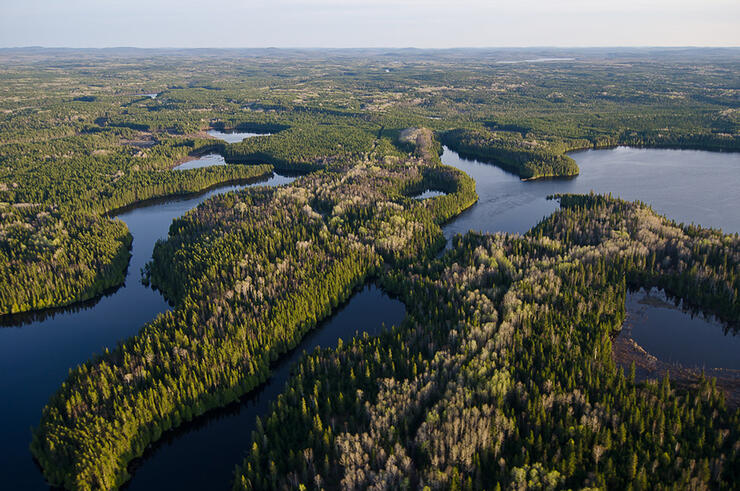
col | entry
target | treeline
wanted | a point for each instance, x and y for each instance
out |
(50, 259)
(657, 139)
(73, 140)
(459, 189)
(250, 273)
(55, 246)
(306, 148)
(503, 375)
(527, 158)
(699, 265)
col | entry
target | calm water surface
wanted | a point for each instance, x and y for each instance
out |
(212, 159)
(208, 160)
(202, 455)
(685, 185)
(37, 351)
(35, 356)
(674, 335)
(429, 193)
(233, 136)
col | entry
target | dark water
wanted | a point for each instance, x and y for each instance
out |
(35, 356)
(202, 455)
(233, 136)
(674, 335)
(37, 351)
(685, 185)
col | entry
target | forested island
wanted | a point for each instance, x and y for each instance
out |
(502, 375)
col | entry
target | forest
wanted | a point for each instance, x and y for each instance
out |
(88, 147)
(502, 374)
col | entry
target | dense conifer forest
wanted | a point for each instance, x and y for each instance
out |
(502, 375)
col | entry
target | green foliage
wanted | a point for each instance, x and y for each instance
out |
(304, 148)
(250, 273)
(49, 259)
(503, 372)
(530, 159)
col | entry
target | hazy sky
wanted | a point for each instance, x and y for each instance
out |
(369, 23)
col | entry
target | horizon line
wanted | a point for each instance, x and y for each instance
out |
(645, 46)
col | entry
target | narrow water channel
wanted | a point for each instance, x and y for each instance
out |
(34, 356)
(37, 350)
(202, 453)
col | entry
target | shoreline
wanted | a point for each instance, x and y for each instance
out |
(625, 351)
(25, 317)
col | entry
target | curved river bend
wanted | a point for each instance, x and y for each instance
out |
(37, 350)
(34, 357)
(202, 454)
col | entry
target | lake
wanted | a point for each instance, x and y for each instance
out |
(685, 185)
(675, 335)
(233, 136)
(208, 160)
(212, 159)
(37, 350)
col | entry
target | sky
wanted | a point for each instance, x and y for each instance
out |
(368, 23)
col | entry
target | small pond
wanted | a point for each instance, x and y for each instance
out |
(676, 335)
(233, 136)
(429, 193)
(208, 160)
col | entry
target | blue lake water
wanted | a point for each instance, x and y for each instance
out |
(208, 160)
(233, 136)
(36, 351)
(685, 185)
(675, 335)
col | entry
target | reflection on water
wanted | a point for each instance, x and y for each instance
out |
(37, 350)
(205, 161)
(675, 335)
(202, 454)
(685, 185)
